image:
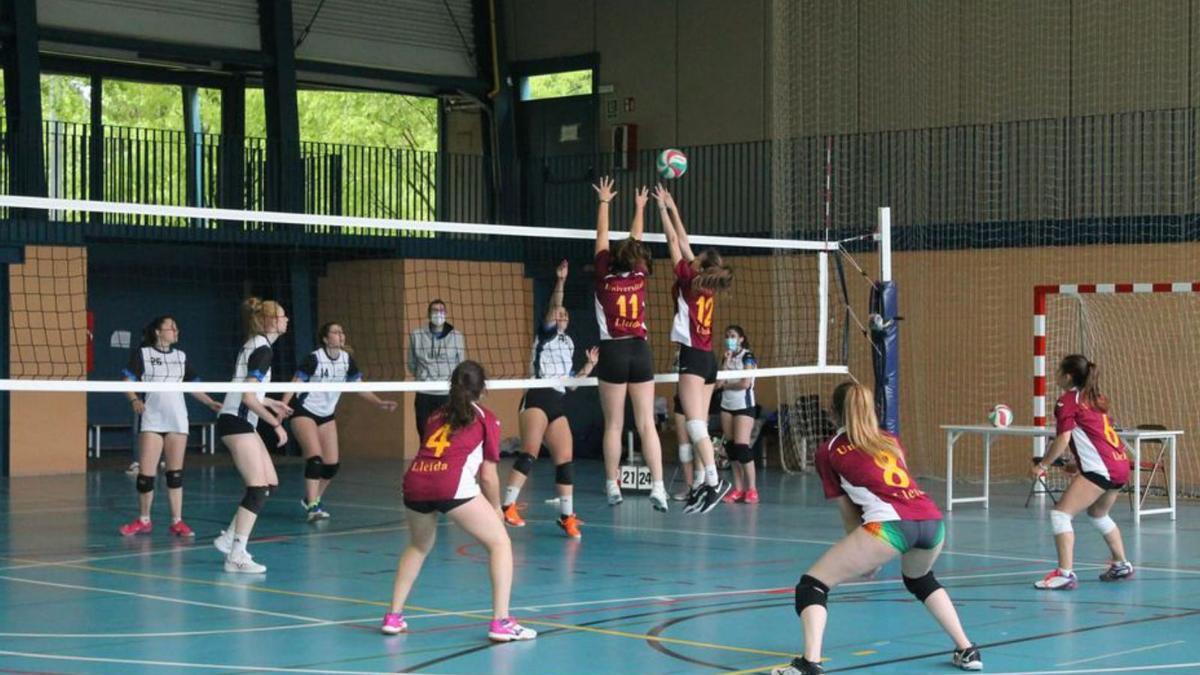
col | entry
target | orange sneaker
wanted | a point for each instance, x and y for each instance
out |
(512, 515)
(751, 497)
(570, 526)
(136, 526)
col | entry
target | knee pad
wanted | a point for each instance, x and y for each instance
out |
(523, 463)
(145, 484)
(922, 587)
(255, 497)
(564, 474)
(328, 471)
(685, 452)
(1060, 522)
(174, 479)
(312, 468)
(810, 591)
(697, 430)
(741, 452)
(271, 489)
(1104, 523)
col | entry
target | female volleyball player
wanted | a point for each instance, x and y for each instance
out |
(543, 418)
(738, 412)
(885, 513)
(1082, 424)
(462, 440)
(697, 281)
(625, 364)
(313, 421)
(164, 421)
(265, 321)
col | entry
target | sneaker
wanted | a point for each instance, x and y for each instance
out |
(1117, 571)
(224, 542)
(181, 529)
(658, 499)
(134, 469)
(968, 659)
(136, 526)
(393, 624)
(570, 526)
(694, 500)
(682, 495)
(799, 666)
(614, 496)
(314, 512)
(508, 630)
(713, 495)
(750, 497)
(1057, 581)
(512, 515)
(734, 496)
(243, 563)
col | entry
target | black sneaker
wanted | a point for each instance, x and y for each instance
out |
(1117, 571)
(799, 666)
(695, 497)
(712, 496)
(968, 659)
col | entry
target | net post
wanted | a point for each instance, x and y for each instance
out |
(823, 308)
(885, 243)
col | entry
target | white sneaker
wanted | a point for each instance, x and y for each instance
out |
(614, 496)
(243, 563)
(224, 542)
(133, 469)
(658, 499)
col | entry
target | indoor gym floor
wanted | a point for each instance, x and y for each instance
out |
(642, 592)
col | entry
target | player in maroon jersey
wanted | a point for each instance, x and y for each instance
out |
(698, 278)
(625, 363)
(461, 441)
(885, 513)
(1081, 417)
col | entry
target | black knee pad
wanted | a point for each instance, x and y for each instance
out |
(255, 497)
(145, 484)
(922, 587)
(271, 489)
(174, 479)
(564, 474)
(312, 468)
(741, 453)
(523, 463)
(810, 591)
(328, 471)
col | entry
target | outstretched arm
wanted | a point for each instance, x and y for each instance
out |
(639, 213)
(661, 196)
(605, 193)
(685, 246)
(556, 297)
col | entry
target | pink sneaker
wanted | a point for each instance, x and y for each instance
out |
(393, 624)
(136, 526)
(508, 630)
(751, 497)
(733, 496)
(181, 529)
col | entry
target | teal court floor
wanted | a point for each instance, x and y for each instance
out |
(642, 592)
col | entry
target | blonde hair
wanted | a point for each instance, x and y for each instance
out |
(854, 406)
(256, 313)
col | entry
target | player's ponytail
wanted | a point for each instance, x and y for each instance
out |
(631, 254)
(467, 383)
(256, 312)
(1085, 376)
(854, 407)
(714, 275)
(150, 332)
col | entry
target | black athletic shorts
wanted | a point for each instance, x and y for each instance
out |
(698, 362)
(548, 401)
(1101, 481)
(439, 505)
(320, 420)
(751, 412)
(228, 425)
(625, 361)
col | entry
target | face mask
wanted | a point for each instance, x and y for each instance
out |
(438, 319)
(731, 344)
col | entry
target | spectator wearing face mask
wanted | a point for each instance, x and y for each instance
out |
(434, 351)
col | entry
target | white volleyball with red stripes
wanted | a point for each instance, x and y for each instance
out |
(1001, 416)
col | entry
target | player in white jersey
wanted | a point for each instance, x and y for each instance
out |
(313, 420)
(739, 409)
(164, 421)
(265, 321)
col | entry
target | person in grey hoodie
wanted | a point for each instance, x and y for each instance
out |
(434, 351)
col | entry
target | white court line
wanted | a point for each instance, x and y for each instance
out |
(184, 664)
(147, 596)
(1127, 651)
(216, 631)
(1120, 669)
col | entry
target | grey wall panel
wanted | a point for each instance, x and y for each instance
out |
(215, 23)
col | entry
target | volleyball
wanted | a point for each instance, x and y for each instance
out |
(1001, 416)
(672, 163)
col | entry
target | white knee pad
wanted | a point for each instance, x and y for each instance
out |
(697, 430)
(1060, 522)
(685, 452)
(1104, 523)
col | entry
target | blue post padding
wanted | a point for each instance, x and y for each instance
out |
(886, 355)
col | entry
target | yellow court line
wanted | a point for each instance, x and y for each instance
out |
(376, 603)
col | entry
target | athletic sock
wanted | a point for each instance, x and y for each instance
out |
(698, 477)
(566, 505)
(239, 546)
(710, 474)
(611, 486)
(1065, 573)
(657, 486)
(144, 519)
(510, 495)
